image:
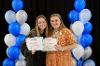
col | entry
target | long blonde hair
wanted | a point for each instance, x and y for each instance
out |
(61, 25)
(36, 25)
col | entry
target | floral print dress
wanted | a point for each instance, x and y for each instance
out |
(61, 58)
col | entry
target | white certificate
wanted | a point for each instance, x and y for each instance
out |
(49, 44)
(35, 43)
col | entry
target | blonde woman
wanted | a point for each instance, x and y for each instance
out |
(66, 42)
(36, 58)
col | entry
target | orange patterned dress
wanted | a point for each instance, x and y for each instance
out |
(61, 58)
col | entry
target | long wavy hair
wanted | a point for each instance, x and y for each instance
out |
(37, 28)
(61, 25)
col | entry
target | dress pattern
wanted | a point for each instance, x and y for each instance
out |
(61, 58)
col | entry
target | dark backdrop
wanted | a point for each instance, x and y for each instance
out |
(47, 7)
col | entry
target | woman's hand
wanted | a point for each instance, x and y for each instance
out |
(59, 48)
(33, 51)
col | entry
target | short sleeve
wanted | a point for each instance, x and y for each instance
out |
(69, 37)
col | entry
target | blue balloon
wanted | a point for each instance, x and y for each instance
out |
(89, 63)
(17, 5)
(86, 40)
(87, 28)
(73, 16)
(19, 40)
(8, 62)
(80, 62)
(13, 52)
(14, 28)
(79, 4)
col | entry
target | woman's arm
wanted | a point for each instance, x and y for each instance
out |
(65, 48)
(69, 40)
(69, 47)
(25, 50)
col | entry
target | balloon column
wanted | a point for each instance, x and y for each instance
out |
(18, 30)
(81, 28)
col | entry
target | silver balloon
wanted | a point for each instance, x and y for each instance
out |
(87, 53)
(85, 15)
(78, 52)
(21, 16)
(77, 28)
(89, 63)
(9, 40)
(21, 57)
(25, 29)
(10, 16)
(20, 63)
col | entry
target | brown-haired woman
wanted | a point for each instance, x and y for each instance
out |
(41, 30)
(66, 42)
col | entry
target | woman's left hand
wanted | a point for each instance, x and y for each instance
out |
(59, 47)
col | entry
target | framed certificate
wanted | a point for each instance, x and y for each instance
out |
(36, 43)
(49, 44)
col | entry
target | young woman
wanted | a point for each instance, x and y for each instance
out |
(41, 30)
(66, 42)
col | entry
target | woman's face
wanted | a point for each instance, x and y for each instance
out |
(42, 24)
(55, 22)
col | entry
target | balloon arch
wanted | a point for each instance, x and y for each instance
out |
(18, 30)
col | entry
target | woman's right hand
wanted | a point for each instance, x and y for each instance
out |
(33, 51)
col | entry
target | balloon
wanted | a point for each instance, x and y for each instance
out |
(79, 4)
(86, 40)
(89, 63)
(9, 40)
(80, 62)
(87, 53)
(78, 52)
(21, 16)
(87, 28)
(17, 5)
(85, 15)
(21, 57)
(19, 40)
(10, 16)
(8, 62)
(21, 63)
(14, 28)
(77, 28)
(25, 29)
(73, 16)
(13, 52)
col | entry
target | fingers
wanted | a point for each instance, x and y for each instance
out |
(33, 51)
(58, 47)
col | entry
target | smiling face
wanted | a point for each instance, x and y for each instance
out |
(55, 22)
(42, 24)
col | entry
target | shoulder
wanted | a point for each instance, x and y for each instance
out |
(32, 32)
(66, 30)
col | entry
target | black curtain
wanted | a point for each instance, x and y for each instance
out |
(47, 7)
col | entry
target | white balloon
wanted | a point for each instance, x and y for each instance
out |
(21, 57)
(78, 52)
(85, 15)
(10, 16)
(9, 40)
(21, 16)
(20, 63)
(25, 29)
(89, 63)
(87, 53)
(77, 28)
